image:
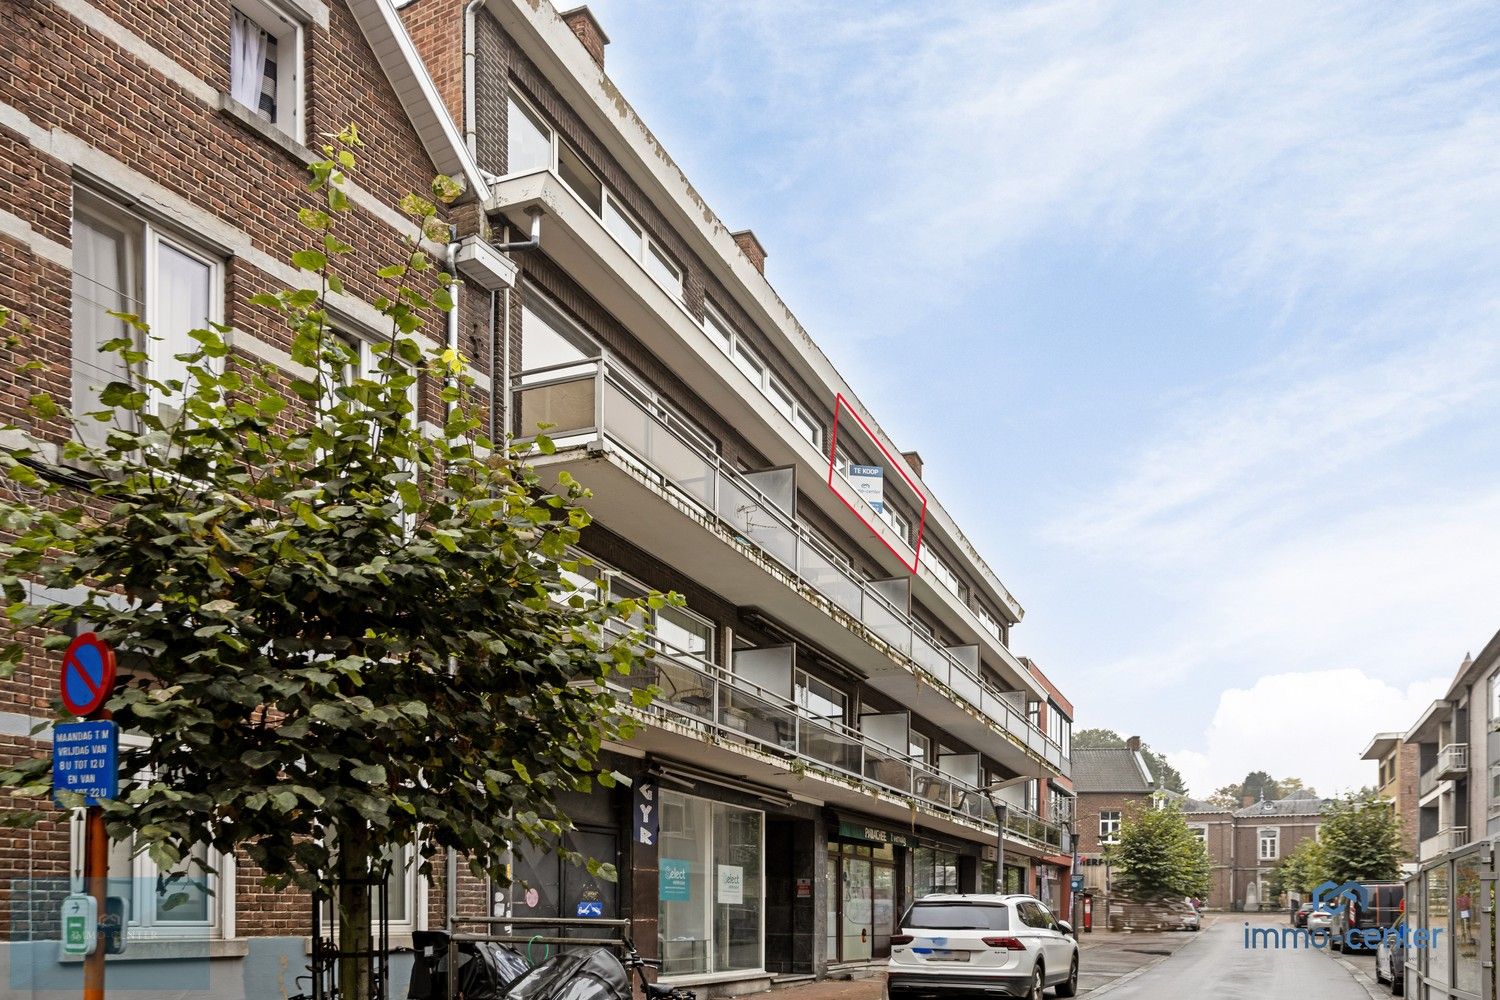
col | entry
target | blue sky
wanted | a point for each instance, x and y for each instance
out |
(1190, 309)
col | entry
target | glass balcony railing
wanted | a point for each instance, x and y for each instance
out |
(706, 697)
(601, 398)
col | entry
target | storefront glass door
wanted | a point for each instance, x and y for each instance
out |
(861, 902)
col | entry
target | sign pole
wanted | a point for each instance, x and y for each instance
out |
(96, 876)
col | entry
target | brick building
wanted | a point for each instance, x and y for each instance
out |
(841, 707)
(154, 157)
(1109, 785)
(1264, 833)
(1398, 769)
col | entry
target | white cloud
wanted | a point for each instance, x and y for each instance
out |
(1310, 726)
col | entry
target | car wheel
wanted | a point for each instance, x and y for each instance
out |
(1037, 982)
(1069, 986)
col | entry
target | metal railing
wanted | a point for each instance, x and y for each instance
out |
(708, 698)
(1453, 759)
(604, 399)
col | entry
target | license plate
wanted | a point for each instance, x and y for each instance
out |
(940, 955)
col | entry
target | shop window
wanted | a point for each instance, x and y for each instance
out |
(934, 870)
(710, 890)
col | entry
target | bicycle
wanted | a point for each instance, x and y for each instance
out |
(652, 991)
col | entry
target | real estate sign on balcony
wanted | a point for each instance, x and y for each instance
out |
(869, 482)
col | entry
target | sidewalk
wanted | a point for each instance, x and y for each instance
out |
(1106, 956)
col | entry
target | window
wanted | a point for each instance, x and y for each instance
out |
(958, 916)
(919, 746)
(746, 361)
(1199, 832)
(727, 339)
(780, 397)
(1033, 791)
(945, 574)
(623, 228)
(1495, 696)
(528, 141)
(123, 263)
(664, 270)
(1270, 843)
(1109, 826)
(265, 56)
(709, 886)
(933, 871)
(677, 630)
(580, 178)
(401, 890)
(808, 428)
(718, 328)
(818, 700)
(987, 620)
(896, 521)
(548, 340)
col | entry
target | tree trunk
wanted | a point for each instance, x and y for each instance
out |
(354, 915)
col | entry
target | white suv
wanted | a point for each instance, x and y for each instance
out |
(1007, 946)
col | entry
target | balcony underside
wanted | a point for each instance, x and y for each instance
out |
(631, 503)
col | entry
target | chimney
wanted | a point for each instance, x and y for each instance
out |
(1134, 743)
(914, 460)
(1247, 801)
(586, 26)
(751, 248)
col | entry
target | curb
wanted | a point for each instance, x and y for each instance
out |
(1130, 976)
(1358, 975)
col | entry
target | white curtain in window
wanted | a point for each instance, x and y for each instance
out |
(102, 284)
(248, 45)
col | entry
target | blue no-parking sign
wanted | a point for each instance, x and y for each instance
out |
(86, 759)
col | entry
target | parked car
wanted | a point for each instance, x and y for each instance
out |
(1007, 945)
(1299, 915)
(1390, 959)
(1385, 903)
(1319, 921)
(1188, 918)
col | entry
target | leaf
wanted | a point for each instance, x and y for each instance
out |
(309, 260)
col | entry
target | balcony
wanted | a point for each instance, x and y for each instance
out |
(644, 462)
(1453, 761)
(702, 709)
(1446, 839)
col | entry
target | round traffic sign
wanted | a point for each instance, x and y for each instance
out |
(88, 674)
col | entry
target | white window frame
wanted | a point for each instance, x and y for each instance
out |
(278, 22)
(1110, 821)
(1268, 835)
(1200, 833)
(540, 121)
(727, 338)
(990, 623)
(146, 239)
(896, 521)
(142, 923)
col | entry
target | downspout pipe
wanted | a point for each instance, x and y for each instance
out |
(471, 63)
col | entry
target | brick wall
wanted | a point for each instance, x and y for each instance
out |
(131, 108)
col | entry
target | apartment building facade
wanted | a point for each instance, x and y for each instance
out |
(155, 157)
(1456, 743)
(839, 708)
(838, 691)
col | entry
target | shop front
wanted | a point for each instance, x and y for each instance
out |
(872, 876)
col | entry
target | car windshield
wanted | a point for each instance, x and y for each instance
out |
(958, 917)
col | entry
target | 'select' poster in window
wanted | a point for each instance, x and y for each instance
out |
(731, 885)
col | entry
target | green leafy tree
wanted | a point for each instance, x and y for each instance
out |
(1159, 858)
(1256, 786)
(1361, 840)
(341, 633)
(1301, 871)
(1108, 739)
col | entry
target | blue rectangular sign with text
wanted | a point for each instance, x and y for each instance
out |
(86, 759)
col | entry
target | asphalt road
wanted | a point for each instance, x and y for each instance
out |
(1219, 966)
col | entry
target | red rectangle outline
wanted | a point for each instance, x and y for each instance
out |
(840, 403)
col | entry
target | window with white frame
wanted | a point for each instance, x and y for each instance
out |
(528, 140)
(1199, 832)
(1270, 843)
(678, 630)
(183, 902)
(265, 63)
(944, 573)
(124, 263)
(728, 339)
(1109, 826)
(919, 746)
(990, 622)
(896, 521)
